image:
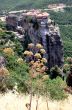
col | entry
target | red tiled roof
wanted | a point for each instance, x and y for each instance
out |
(37, 14)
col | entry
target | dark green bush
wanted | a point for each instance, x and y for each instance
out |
(56, 88)
(54, 72)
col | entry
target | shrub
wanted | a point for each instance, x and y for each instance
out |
(69, 60)
(55, 71)
(39, 46)
(4, 73)
(66, 68)
(8, 51)
(20, 61)
(69, 77)
(37, 55)
(11, 62)
(18, 74)
(34, 56)
(55, 88)
(10, 82)
(18, 47)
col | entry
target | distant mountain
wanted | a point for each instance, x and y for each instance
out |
(21, 4)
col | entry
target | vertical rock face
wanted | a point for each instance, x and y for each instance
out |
(55, 50)
(41, 29)
(49, 36)
(11, 22)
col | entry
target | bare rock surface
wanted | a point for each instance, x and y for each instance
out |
(2, 61)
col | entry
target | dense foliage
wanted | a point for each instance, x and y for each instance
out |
(66, 33)
(25, 77)
(21, 4)
(64, 19)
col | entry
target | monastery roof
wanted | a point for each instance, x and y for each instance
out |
(36, 13)
(44, 14)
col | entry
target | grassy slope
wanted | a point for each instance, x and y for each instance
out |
(11, 101)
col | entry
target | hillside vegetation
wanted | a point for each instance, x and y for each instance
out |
(27, 70)
(24, 69)
(21, 4)
(64, 20)
(66, 33)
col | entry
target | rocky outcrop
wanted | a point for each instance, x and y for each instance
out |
(55, 50)
(2, 61)
(49, 36)
(41, 29)
(11, 22)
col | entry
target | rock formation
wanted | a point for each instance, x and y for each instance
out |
(2, 61)
(41, 29)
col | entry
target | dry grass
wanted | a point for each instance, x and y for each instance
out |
(11, 101)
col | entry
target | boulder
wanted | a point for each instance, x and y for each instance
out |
(2, 61)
